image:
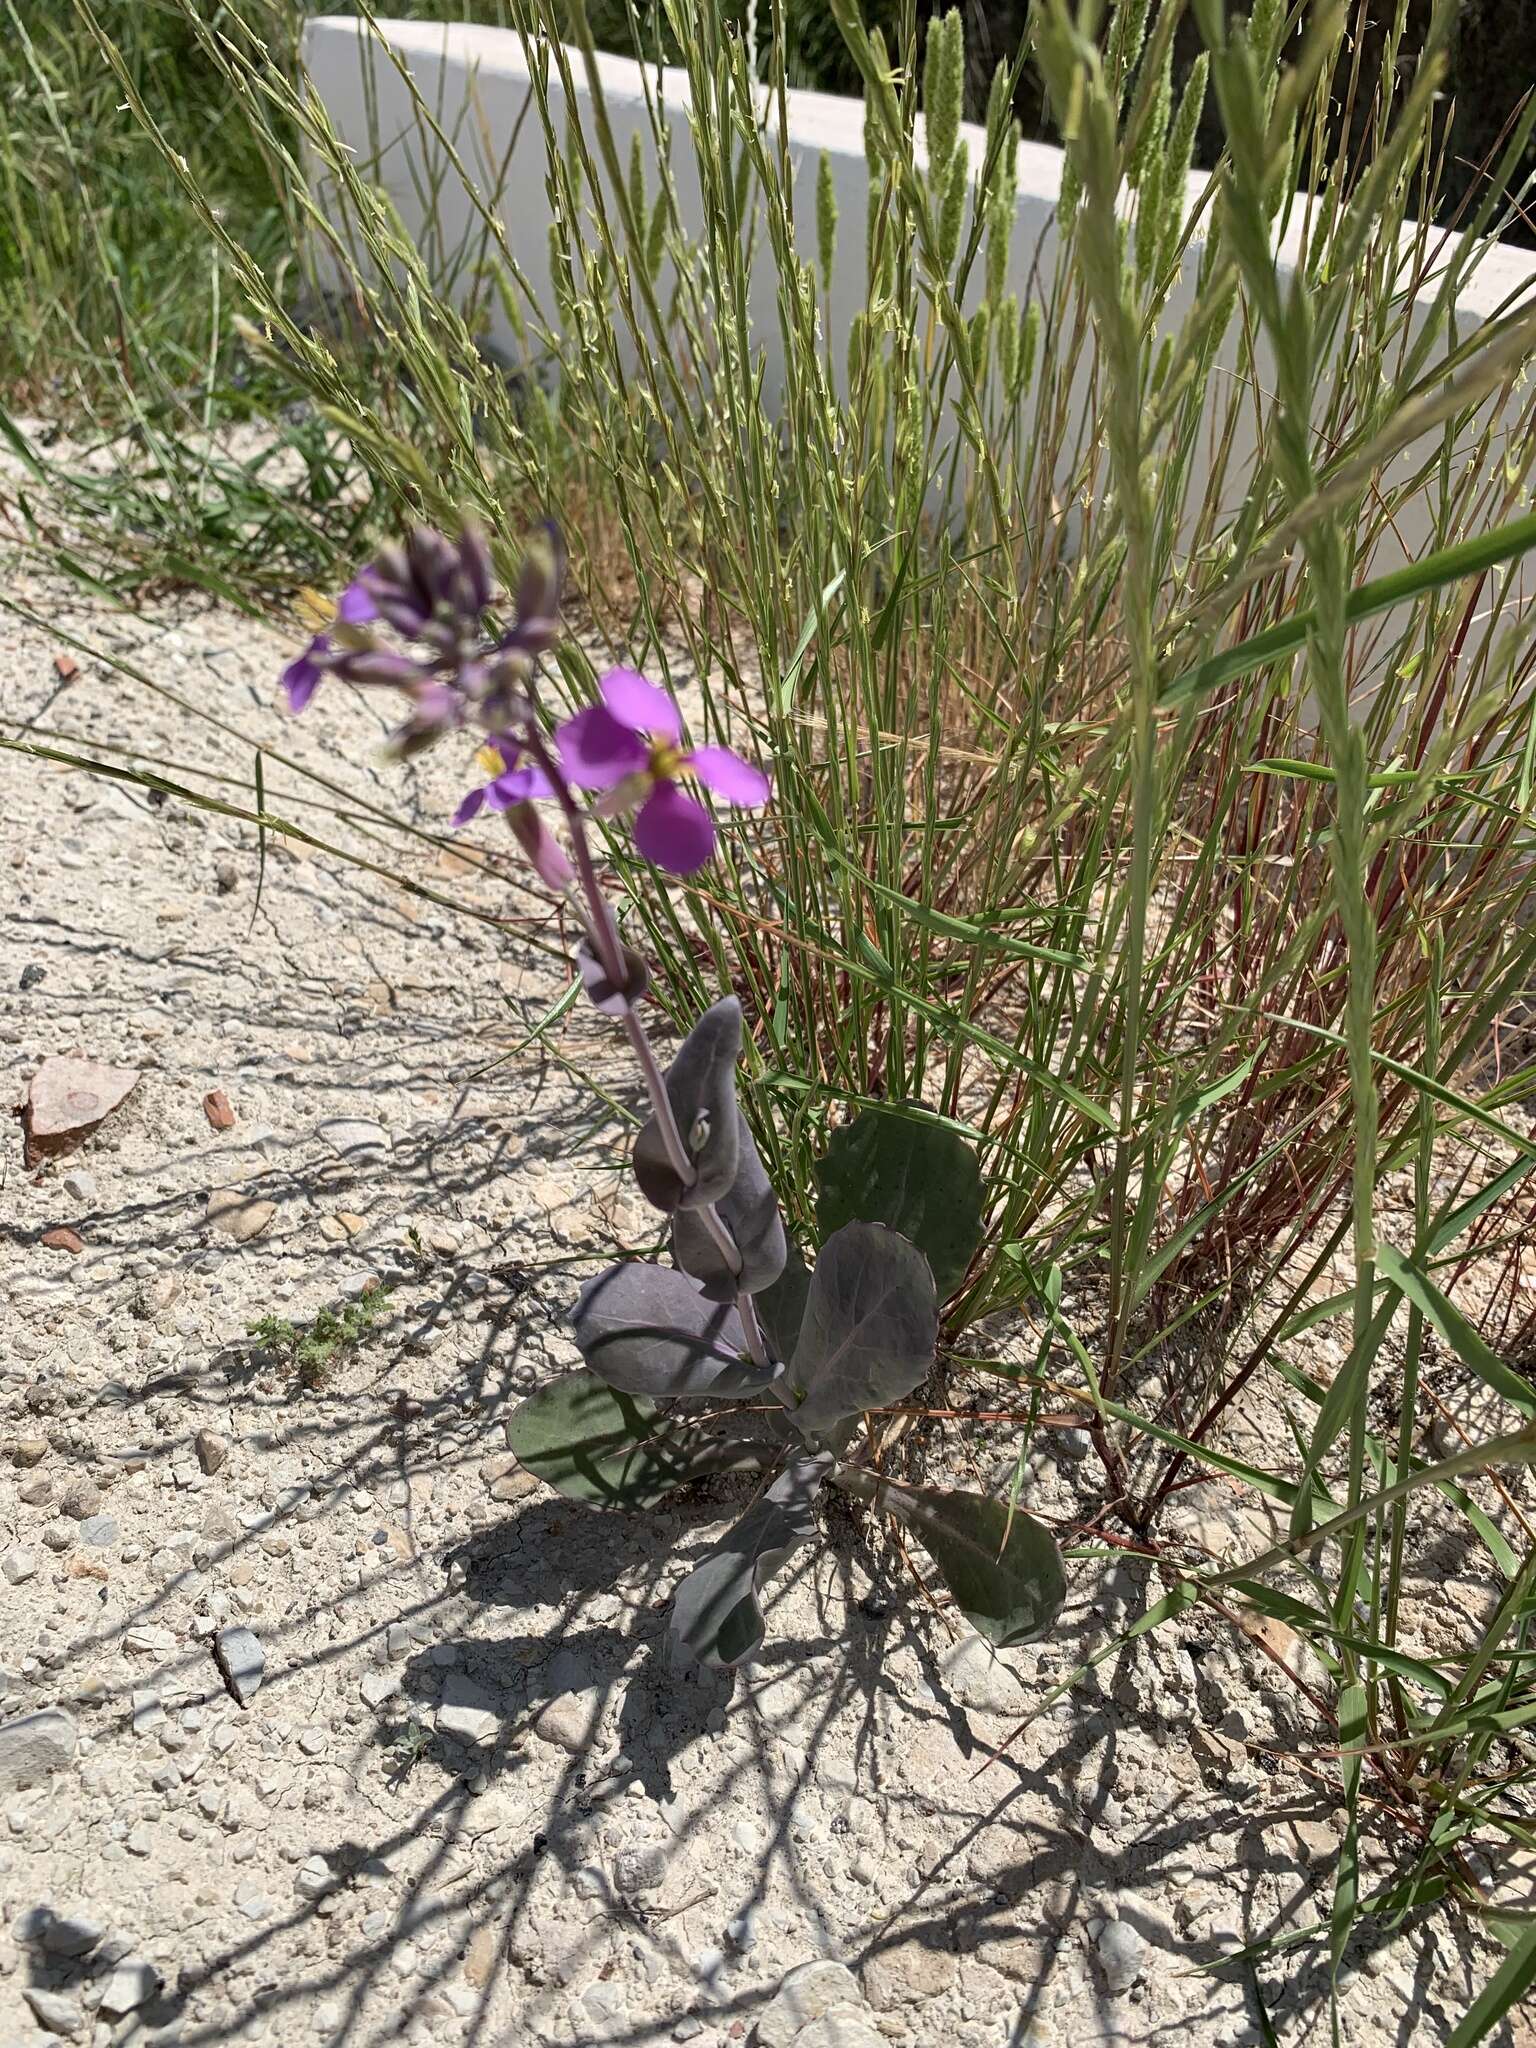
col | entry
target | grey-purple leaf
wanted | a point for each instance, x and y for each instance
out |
(647, 1330)
(599, 984)
(717, 1617)
(870, 1325)
(1003, 1568)
(701, 1087)
(619, 1450)
(751, 1215)
(781, 1307)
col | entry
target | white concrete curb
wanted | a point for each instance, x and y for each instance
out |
(476, 83)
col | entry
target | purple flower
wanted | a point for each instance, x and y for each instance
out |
(304, 674)
(630, 745)
(509, 783)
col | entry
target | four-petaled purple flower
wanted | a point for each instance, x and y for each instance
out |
(304, 674)
(509, 783)
(630, 746)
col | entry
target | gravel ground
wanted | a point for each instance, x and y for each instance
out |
(467, 1800)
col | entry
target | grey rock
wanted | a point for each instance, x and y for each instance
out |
(468, 1712)
(58, 2014)
(72, 1932)
(805, 1995)
(212, 1450)
(80, 1500)
(100, 1531)
(640, 1869)
(378, 1686)
(18, 1564)
(1122, 1955)
(242, 1661)
(315, 1878)
(133, 1983)
(567, 1721)
(34, 1745)
(354, 1137)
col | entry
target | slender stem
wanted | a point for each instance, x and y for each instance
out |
(604, 933)
(610, 951)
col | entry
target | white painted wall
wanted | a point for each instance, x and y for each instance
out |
(475, 81)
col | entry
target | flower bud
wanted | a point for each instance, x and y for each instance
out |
(377, 667)
(477, 573)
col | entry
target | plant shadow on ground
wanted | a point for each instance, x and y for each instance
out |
(1021, 1860)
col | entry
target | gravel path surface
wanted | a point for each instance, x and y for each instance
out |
(341, 1727)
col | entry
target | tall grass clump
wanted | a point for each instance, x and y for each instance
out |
(1139, 629)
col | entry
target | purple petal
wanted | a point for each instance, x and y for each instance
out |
(355, 606)
(470, 808)
(302, 677)
(517, 786)
(640, 705)
(596, 750)
(673, 831)
(731, 778)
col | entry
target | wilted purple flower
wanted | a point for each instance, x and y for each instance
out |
(435, 589)
(509, 783)
(303, 675)
(434, 593)
(545, 854)
(631, 746)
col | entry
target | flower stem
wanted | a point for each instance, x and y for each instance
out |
(604, 933)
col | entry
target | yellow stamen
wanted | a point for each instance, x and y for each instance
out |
(489, 758)
(314, 609)
(666, 763)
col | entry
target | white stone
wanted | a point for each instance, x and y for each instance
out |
(1122, 1954)
(18, 1564)
(468, 1712)
(241, 1659)
(805, 1995)
(58, 2014)
(132, 1984)
(354, 1137)
(978, 1677)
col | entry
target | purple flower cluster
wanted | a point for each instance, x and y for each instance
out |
(434, 594)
